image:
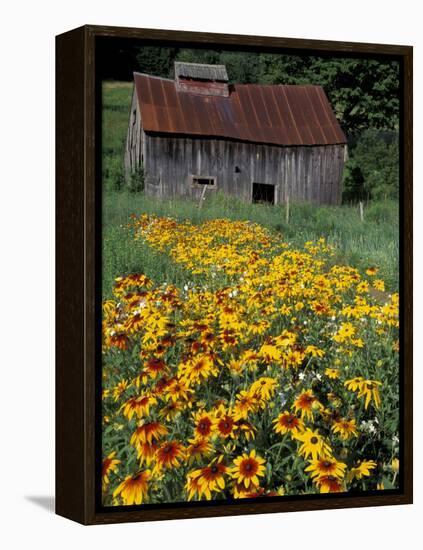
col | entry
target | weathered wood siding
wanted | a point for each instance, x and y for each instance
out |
(133, 146)
(312, 174)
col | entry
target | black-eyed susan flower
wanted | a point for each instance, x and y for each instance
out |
(247, 429)
(170, 454)
(197, 449)
(171, 411)
(147, 432)
(178, 390)
(147, 452)
(246, 402)
(306, 403)
(198, 369)
(140, 406)
(160, 386)
(312, 444)
(332, 373)
(264, 388)
(120, 389)
(326, 466)
(141, 379)
(362, 469)
(345, 428)
(259, 326)
(203, 424)
(287, 422)
(248, 468)
(156, 366)
(209, 479)
(329, 484)
(133, 489)
(224, 423)
(354, 383)
(346, 331)
(110, 464)
(118, 338)
(369, 389)
(240, 491)
(314, 351)
(378, 284)
(270, 353)
(192, 486)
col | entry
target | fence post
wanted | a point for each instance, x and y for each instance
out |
(361, 211)
(203, 192)
(287, 210)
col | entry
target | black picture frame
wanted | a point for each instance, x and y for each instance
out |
(78, 260)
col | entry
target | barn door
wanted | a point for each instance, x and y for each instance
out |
(264, 192)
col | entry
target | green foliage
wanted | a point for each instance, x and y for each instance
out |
(363, 92)
(136, 180)
(155, 61)
(116, 105)
(372, 171)
(198, 56)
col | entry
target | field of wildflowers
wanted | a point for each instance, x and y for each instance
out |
(271, 370)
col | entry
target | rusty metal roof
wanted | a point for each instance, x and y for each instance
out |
(273, 114)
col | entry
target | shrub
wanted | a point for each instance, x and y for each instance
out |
(372, 169)
(136, 180)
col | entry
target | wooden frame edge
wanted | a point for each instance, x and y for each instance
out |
(70, 238)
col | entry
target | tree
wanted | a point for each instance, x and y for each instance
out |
(155, 61)
(372, 172)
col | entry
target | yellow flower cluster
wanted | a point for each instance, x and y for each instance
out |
(269, 372)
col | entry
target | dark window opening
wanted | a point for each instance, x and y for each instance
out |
(237, 169)
(263, 192)
(200, 181)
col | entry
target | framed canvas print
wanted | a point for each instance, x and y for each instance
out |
(234, 275)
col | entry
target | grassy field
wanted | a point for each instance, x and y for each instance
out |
(373, 242)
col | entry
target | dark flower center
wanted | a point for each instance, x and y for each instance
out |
(204, 426)
(314, 440)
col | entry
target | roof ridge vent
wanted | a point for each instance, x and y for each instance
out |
(201, 78)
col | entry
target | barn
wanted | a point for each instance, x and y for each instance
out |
(198, 134)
